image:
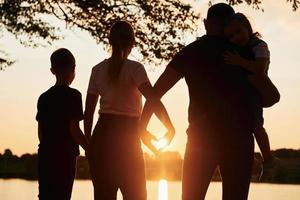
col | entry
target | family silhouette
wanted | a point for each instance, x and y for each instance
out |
(226, 71)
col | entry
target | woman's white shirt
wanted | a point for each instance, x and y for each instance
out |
(122, 97)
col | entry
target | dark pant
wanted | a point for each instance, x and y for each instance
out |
(56, 175)
(234, 158)
(116, 159)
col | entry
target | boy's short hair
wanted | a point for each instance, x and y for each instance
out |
(220, 10)
(62, 59)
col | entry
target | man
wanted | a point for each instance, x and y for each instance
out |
(220, 119)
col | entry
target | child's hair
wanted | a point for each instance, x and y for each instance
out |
(121, 37)
(62, 59)
(240, 17)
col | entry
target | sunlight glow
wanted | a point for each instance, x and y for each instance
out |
(163, 190)
(161, 144)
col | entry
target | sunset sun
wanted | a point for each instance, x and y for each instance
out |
(161, 144)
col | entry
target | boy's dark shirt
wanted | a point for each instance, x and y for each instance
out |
(220, 94)
(56, 108)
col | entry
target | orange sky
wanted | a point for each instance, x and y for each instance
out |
(22, 83)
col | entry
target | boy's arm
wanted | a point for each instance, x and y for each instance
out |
(77, 134)
(90, 105)
(257, 66)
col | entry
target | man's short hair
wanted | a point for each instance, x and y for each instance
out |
(220, 10)
(62, 59)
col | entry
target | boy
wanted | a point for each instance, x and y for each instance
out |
(58, 116)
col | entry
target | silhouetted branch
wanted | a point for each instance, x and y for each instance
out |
(160, 24)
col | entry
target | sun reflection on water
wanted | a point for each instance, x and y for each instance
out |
(163, 190)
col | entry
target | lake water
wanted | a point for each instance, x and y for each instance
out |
(16, 189)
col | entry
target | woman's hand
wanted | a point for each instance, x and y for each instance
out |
(147, 139)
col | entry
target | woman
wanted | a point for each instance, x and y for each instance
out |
(115, 155)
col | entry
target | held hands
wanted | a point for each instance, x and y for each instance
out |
(233, 58)
(166, 139)
(157, 145)
(147, 139)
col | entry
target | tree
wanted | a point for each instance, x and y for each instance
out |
(8, 153)
(160, 24)
(256, 3)
(4, 62)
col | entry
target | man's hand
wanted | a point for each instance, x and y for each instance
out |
(169, 135)
(147, 139)
(233, 58)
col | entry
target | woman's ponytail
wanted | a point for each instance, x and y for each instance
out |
(116, 63)
(121, 37)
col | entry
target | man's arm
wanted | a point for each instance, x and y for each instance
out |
(153, 104)
(157, 106)
(90, 105)
(260, 80)
(268, 91)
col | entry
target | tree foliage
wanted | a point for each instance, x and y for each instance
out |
(257, 3)
(160, 24)
(5, 62)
